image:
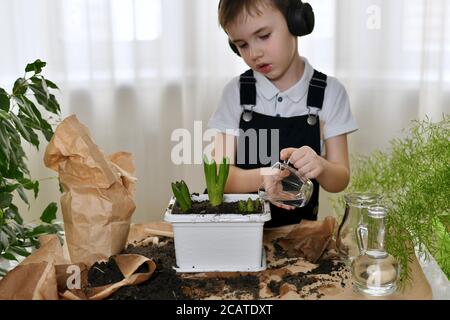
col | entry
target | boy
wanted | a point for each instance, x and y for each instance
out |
(309, 111)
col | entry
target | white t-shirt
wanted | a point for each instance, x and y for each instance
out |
(335, 115)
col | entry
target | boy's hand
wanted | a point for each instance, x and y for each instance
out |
(308, 163)
(273, 187)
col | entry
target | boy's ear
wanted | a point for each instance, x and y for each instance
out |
(233, 47)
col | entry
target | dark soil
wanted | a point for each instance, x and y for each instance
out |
(242, 285)
(204, 207)
(239, 286)
(274, 286)
(279, 251)
(327, 267)
(103, 273)
(166, 284)
(301, 280)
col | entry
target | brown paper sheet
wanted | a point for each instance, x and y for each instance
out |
(44, 275)
(35, 277)
(310, 239)
(128, 264)
(98, 198)
(141, 233)
(34, 281)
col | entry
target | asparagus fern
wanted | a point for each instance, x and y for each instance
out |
(414, 178)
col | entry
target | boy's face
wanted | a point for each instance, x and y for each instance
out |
(264, 41)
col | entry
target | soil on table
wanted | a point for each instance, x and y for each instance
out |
(204, 207)
(103, 273)
(166, 284)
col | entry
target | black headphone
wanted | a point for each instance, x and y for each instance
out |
(299, 18)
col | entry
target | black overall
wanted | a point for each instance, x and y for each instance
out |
(293, 132)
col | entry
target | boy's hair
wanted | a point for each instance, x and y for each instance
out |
(230, 9)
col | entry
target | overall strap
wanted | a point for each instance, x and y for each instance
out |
(247, 88)
(316, 91)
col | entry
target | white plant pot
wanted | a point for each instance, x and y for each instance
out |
(219, 242)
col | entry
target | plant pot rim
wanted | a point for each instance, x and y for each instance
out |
(218, 217)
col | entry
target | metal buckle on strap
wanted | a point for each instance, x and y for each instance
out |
(312, 117)
(318, 83)
(247, 114)
(247, 79)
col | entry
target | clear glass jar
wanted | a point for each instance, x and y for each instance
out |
(284, 185)
(375, 272)
(356, 205)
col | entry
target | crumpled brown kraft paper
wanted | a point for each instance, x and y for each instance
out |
(310, 239)
(35, 277)
(143, 233)
(128, 264)
(98, 198)
(45, 275)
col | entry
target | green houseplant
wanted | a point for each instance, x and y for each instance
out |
(215, 185)
(21, 119)
(217, 231)
(414, 178)
(181, 192)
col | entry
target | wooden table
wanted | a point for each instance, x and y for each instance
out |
(332, 286)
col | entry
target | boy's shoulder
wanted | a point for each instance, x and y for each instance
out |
(233, 83)
(231, 89)
(335, 87)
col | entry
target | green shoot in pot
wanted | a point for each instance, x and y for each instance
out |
(250, 206)
(182, 194)
(242, 206)
(216, 183)
(258, 205)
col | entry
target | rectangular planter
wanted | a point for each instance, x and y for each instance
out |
(219, 242)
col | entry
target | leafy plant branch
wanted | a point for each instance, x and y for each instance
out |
(20, 118)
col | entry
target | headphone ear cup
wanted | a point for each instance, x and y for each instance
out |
(233, 47)
(300, 18)
(308, 19)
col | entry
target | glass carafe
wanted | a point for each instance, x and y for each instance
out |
(375, 272)
(356, 205)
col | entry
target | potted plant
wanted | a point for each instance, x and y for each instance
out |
(21, 119)
(217, 231)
